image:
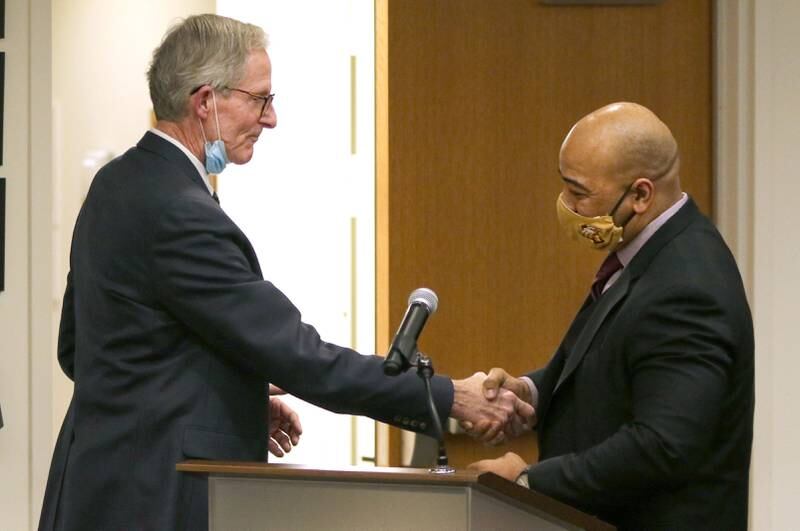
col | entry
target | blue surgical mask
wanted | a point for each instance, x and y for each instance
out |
(216, 157)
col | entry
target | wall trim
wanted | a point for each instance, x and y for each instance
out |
(40, 223)
(733, 157)
(742, 57)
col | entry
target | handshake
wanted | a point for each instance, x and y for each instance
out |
(493, 408)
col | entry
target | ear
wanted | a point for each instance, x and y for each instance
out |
(200, 102)
(643, 190)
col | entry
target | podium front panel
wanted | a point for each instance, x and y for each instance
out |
(255, 504)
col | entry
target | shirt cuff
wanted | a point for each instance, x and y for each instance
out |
(522, 479)
(533, 389)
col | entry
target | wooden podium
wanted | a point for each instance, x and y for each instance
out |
(255, 496)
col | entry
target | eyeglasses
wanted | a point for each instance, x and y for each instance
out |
(266, 100)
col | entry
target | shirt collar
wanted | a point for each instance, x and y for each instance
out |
(201, 169)
(627, 253)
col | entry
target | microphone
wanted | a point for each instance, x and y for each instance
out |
(422, 303)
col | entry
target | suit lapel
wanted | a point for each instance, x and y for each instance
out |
(605, 304)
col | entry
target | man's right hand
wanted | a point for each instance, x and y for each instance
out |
(497, 383)
(493, 420)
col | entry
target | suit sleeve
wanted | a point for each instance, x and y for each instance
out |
(678, 359)
(66, 331)
(204, 278)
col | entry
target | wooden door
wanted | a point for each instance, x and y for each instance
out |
(473, 100)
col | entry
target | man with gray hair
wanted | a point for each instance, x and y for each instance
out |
(170, 332)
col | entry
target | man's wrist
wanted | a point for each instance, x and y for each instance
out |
(457, 409)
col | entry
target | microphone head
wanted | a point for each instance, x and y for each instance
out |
(425, 297)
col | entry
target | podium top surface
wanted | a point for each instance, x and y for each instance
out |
(485, 482)
(353, 473)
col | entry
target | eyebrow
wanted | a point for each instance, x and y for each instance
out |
(575, 183)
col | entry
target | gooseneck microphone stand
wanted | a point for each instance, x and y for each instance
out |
(424, 367)
(403, 355)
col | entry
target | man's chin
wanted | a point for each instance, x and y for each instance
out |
(242, 157)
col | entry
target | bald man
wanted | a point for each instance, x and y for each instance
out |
(645, 412)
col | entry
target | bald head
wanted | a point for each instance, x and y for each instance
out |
(622, 142)
(622, 161)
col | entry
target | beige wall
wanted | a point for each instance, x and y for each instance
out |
(101, 52)
(24, 305)
(776, 262)
(96, 54)
(758, 165)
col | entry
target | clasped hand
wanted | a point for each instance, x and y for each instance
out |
(493, 408)
(284, 425)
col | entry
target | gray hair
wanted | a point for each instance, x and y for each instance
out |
(200, 50)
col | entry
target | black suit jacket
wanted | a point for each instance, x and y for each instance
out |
(170, 335)
(646, 409)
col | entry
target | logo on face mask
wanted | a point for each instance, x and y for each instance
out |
(593, 233)
(599, 233)
(216, 156)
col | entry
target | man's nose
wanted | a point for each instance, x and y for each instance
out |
(270, 118)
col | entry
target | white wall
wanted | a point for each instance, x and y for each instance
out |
(101, 106)
(776, 262)
(99, 99)
(758, 184)
(307, 198)
(24, 305)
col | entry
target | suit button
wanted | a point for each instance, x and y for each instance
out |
(414, 423)
(422, 425)
(405, 421)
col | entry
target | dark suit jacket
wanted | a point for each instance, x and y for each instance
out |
(170, 335)
(646, 409)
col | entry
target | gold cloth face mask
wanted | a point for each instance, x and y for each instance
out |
(599, 232)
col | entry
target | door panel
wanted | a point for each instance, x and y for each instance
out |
(474, 98)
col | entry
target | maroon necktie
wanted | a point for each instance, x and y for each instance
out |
(609, 266)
